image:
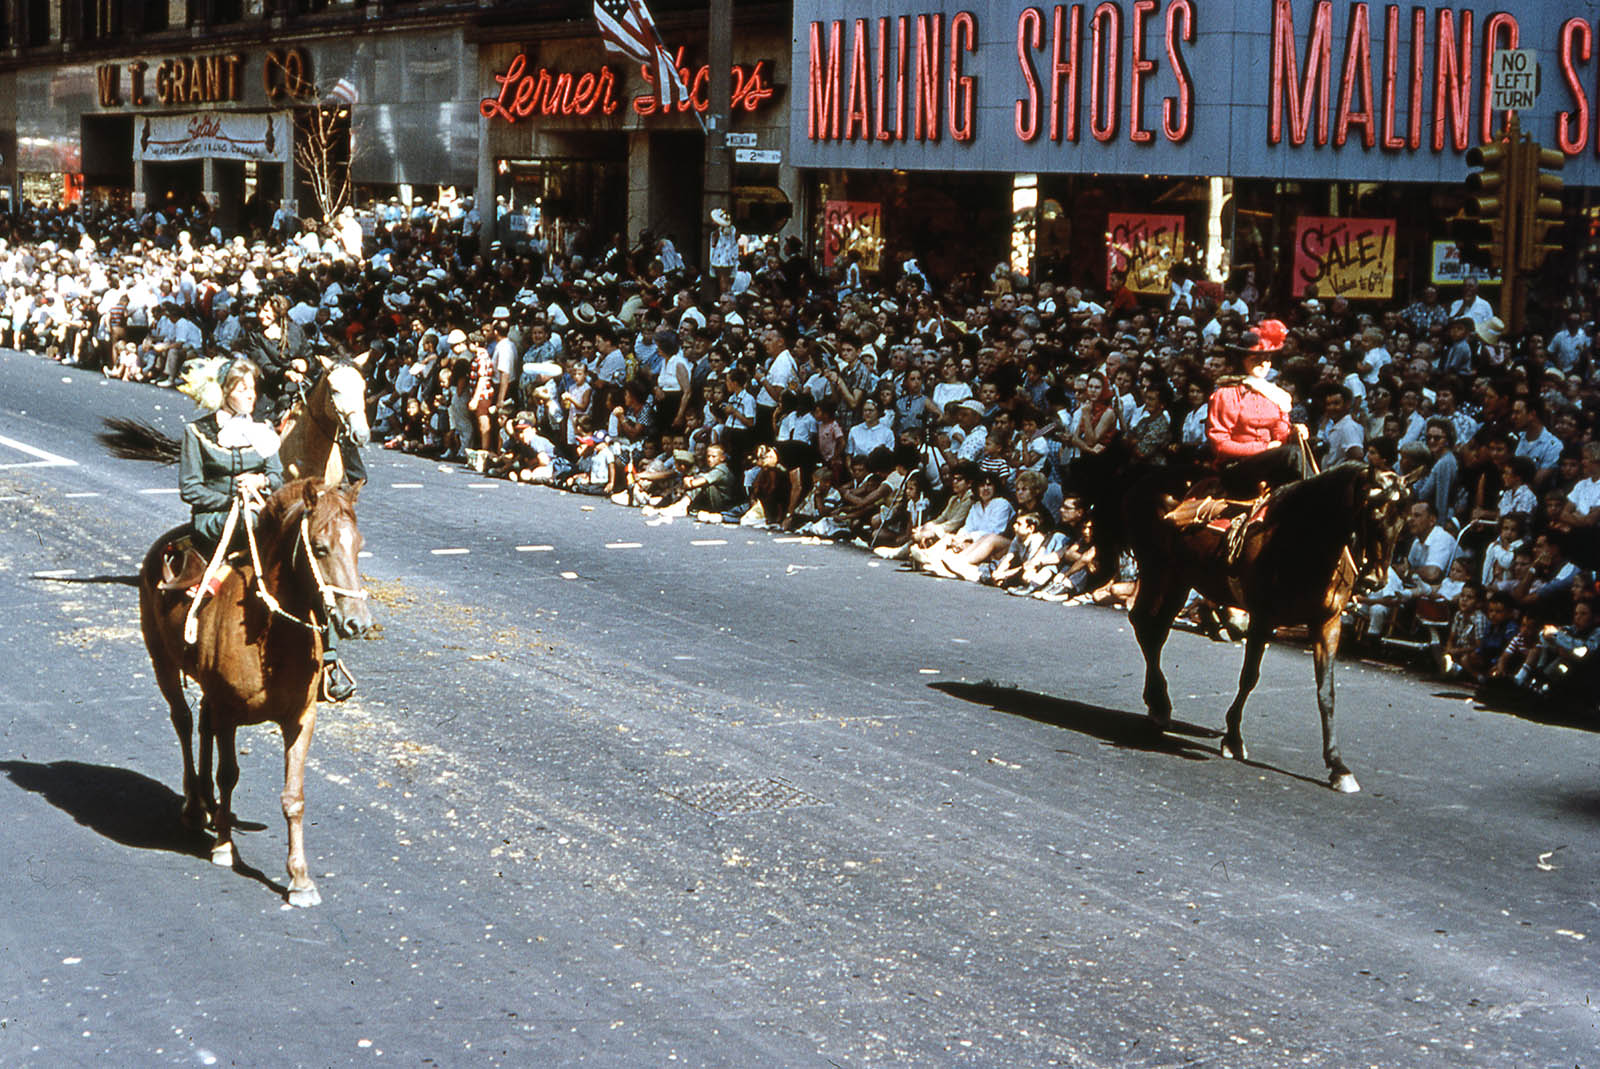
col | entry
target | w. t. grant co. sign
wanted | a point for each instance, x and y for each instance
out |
(1302, 89)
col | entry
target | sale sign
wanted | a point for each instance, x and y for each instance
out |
(852, 224)
(1351, 258)
(1145, 246)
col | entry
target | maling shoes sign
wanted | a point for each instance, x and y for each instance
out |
(1256, 88)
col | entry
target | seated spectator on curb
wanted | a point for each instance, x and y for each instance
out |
(983, 537)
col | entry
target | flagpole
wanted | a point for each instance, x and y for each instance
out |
(718, 168)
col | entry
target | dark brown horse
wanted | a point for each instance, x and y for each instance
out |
(258, 658)
(1298, 566)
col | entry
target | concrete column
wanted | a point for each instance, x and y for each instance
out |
(483, 194)
(177, 13)
(208, 181)
(639, 174)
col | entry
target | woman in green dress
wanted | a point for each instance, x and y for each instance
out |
(225, 453)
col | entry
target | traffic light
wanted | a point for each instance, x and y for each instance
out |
(1490, 207)
(1542, 172)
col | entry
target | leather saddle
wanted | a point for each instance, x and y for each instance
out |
(183, 567)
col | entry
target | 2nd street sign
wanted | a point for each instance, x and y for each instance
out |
(1516, 79)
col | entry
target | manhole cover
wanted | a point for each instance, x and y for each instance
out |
(742, 795)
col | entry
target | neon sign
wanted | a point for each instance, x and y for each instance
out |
(526, 92)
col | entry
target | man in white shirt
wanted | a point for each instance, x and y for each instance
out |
(1470, 304)
(1533, 437)
(1341, 435)
(782, 371)
(1568, 346)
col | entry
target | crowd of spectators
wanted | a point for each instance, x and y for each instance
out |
(957, 425)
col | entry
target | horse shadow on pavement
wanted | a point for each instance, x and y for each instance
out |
(126, 807)
(1114, 727)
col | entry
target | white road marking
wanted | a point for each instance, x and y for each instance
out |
(482, 486)
(785, 539)
(58, 573)
(160, 490)
(405, 486)
(365, 553)
(624, 545)
(708, 541)
(45, 460)
(569, 575)
(83, 493)
(449, 552)
(535, 549)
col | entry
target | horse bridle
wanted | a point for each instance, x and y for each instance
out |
(326, 591)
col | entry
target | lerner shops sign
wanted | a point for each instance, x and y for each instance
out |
(1251, 88)
(528, 91)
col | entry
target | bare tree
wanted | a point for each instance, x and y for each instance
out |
(322, 151)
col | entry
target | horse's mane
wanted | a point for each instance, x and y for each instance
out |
(1317, 493)
(288, 504)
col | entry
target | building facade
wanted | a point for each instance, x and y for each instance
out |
(138, 103)
(1237, 128)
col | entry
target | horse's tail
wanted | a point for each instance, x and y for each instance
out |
(132, 439)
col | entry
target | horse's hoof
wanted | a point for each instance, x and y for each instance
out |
(305, 898)
(1236, 751)
(1344, 783)
(222, 855)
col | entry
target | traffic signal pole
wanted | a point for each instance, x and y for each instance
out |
(1518, 201)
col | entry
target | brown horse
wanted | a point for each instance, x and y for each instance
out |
(1299, 565)
(258, 659)
(335, 408)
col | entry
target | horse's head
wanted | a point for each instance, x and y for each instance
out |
(329, 534)
(347, 396)
(1383, 517)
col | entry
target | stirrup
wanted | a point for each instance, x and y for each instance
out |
(337, 683)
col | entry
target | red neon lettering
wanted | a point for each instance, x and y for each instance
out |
(902, 53)
(930, 28)
(822, 118)
(1064, 66)
(1572, 127)
(1030, 35)
(882, 80)
(963, 38)
(1286, 80)
(1419, 52)
(1139, 68)
(1452, 80)
(1177, 113)
(1357, 74)
(1105, 49)
(1391, 65)
(1500, 24)
(750, 86)
(542, 93)
(856, 110)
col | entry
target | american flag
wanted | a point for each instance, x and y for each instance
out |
(626, 27)
(344, 89)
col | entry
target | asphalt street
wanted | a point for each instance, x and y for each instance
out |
(626, 794)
